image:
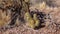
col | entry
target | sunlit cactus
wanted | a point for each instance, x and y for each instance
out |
(31, 22)
(27, 16)
(36, 20)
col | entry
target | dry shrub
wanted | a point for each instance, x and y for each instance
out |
(4, 18)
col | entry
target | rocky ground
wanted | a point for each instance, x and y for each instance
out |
(12, 17)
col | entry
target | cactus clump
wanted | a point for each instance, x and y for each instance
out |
(31, 21)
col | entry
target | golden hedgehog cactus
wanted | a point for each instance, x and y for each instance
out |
(29, 19)
(31, 22)
(27, 16)
(36, 20)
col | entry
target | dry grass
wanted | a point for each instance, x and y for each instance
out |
(4, 18)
